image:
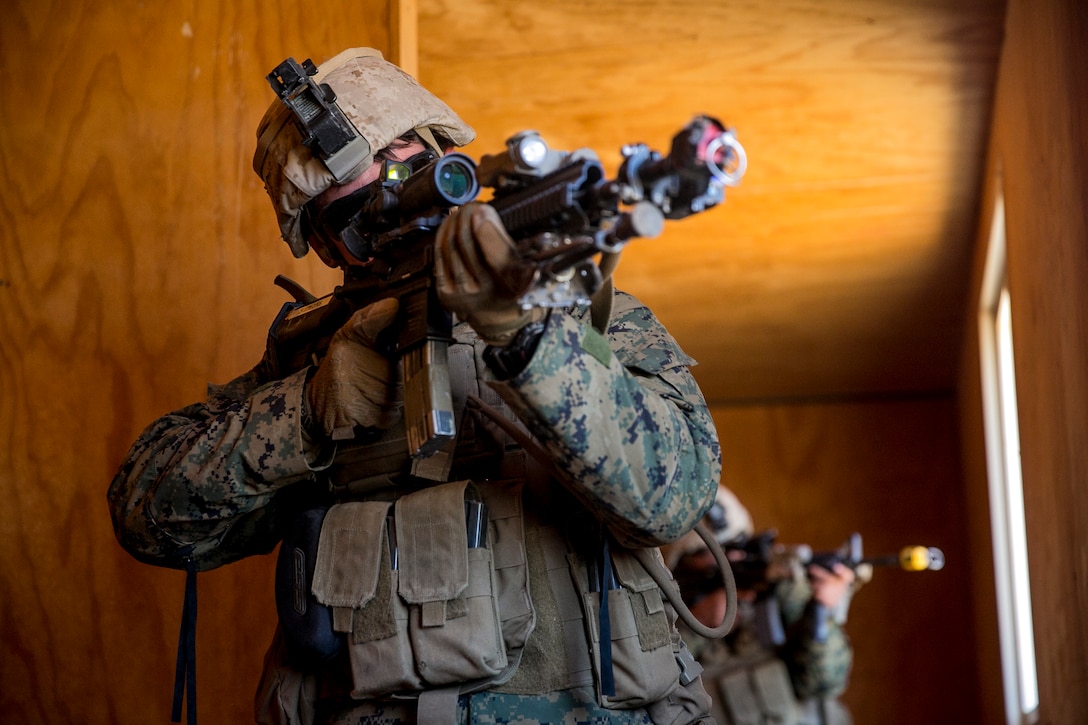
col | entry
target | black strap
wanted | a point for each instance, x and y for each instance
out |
(185, 672)
(608, 678)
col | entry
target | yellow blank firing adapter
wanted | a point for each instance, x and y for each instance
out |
(921, 558)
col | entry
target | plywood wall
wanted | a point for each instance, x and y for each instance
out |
(834, 267)
(137, 252)
(1039, 160)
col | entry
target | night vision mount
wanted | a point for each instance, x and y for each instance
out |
(326, 131)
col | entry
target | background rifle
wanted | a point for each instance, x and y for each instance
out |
(759, 563)
(557, 206)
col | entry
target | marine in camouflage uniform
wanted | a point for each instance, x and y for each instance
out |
(776, 670)
(632, 448)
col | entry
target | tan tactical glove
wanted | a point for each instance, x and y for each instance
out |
(353, 384)
(479, 277)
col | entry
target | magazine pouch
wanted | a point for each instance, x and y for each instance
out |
(353, 577)
(412, 586)
(753, 689)
(448, 583)
(643, 665)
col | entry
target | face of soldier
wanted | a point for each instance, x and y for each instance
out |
(394, 153)
(710, 610)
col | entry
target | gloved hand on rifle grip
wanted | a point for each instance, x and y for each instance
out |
(479, 276)
(353, 383)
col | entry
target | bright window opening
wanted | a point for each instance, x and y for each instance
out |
(1006, 485)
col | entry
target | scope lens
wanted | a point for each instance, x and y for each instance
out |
(455, 180)
(397, 171)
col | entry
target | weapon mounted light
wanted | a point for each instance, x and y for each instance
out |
(530, 149)
(527, 155)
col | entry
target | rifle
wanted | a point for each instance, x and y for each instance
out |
(759, 562)
(559, 208)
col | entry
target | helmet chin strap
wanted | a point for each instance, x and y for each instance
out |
(429, 139)
(609, 262)
(601, 302)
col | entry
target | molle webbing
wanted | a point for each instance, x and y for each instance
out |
(556, 657)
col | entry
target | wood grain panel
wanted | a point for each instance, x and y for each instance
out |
(137, 252)
(837, 266)
(890, 471)
(1041, 146)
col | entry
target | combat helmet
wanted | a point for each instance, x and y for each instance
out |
(727, 520)
(380, 100)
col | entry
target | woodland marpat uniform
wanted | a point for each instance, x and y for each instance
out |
(621, 417)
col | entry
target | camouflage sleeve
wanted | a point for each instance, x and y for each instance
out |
(624, 421)
(196, 488)
(817, 668)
